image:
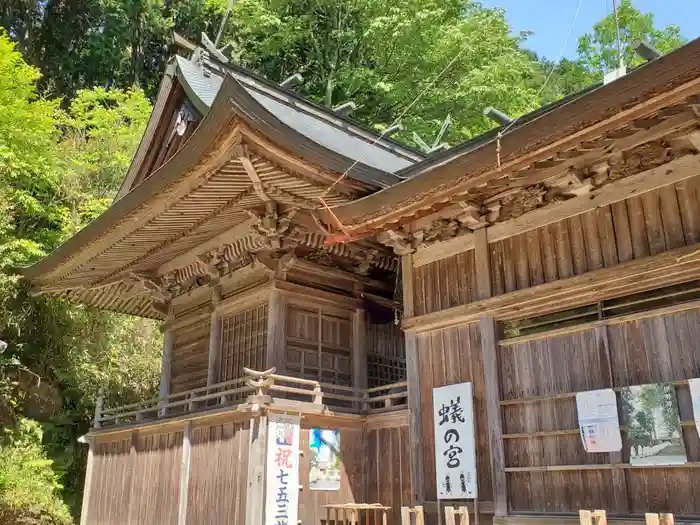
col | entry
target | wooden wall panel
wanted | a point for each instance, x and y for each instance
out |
(649, 224)
(111, 483)
(243, 342)
(352, 457)
(319, 344)
(445, 283)
(388, 478)
(158, 457)
(218, 474)
(652, 223)
(656, 348)
(386, 354)
(123, 488)
(190, 359)
(445, 357)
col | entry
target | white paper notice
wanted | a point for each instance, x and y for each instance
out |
(282, 494)
(455, 452)
(694, 385)
(598, 421)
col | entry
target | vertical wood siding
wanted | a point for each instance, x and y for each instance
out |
(157, 457)
(445, 283)
(243, 342)
(652, 349)
(445, 357)
(124, 490)
(218, 474)
(111, 483)
(190, 359)
(388, 479)
(649, 224)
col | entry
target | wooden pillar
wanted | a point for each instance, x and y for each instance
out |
(407, 285)
(257, 460)
(482, 263)
(184, 473)
(214, 338)
(492, 395)
(87, 488)
(359, 350)
(166, 366)
(415, 429)
(276, 332)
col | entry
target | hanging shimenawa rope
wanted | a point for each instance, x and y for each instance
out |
(546, 81)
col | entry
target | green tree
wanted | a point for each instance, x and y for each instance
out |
(383, 54)
(598, 49)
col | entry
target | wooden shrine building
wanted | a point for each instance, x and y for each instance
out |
(557, 256)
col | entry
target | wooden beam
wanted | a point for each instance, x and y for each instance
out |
(489, 349)
(482, 263)
(184, 473)
(214, 338)
(359, 350)
(415, 429)
(190, 256)
(644, 182)
(166, 364)
(407, 282)
(253, 176)
(257, 456)
(276, 332)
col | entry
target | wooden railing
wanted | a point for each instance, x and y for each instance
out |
(255, 386)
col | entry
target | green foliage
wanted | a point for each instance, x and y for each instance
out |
(598, 50)
(29, 488)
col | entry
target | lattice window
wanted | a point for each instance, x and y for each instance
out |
(243, 342)
(386, 354)
(319, 346)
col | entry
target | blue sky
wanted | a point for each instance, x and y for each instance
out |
(551, 19)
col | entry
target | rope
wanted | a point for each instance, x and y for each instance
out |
(546, 81)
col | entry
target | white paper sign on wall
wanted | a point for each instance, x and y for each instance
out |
(455, 451)
(282, 486)
(598, 421)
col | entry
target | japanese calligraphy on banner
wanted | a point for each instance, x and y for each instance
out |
(282, 487)
(694, 385)
(455, 452)
(598, 421)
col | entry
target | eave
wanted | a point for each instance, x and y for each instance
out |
(543, 137)
(237, 160)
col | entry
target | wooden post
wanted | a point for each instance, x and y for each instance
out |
(166, 369)
(184, 473)
(276, 330)
(99, 405)
(415, 430)
(214, 338)
(482, 264)
(359, 350)
(489, 349)
(407, 285)
(257, 460)
(88, 486)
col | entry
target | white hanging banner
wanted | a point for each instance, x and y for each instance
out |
(694, 385)
(282, 486)
(455, 451)
(598, 420)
